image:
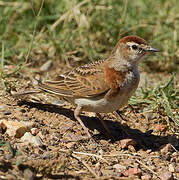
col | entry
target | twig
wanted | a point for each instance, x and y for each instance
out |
(86, 165)
(89, 154)
(174, 148)
(146, 167)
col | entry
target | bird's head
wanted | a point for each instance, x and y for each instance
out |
(132, 49)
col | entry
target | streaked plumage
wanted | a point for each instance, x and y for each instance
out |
(103, 86)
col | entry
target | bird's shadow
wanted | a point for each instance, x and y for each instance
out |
(145, 140)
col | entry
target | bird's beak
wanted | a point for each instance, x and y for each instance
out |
(153, 50)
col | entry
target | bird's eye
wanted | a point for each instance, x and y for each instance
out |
(134, 47)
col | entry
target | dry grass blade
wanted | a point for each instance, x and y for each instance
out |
(89, 154)
(146, 167)
(86, 165)
(67, 14)
(14, 4)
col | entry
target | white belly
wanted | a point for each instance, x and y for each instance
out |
(102, 105)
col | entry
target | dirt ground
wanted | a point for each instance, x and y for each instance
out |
(145, 147)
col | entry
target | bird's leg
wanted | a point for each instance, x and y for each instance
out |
(77, 113)
(119, 116)
(133, 110)
(108, 133)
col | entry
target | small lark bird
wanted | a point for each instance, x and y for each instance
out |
(103, 86)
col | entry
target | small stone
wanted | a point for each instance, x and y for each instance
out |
(104, 142)
(1, 137)
(70, 144)
(46, 66)
(37, 150)
(150, 115)
(2, 107)
(8, 156)
(128, 162)
(7, 112)
(47, 156)
(124, 123)
(148, 151)
(56, 136)
(58, 102)
(160, 128)
(64, 127)
(22, 110)
(165, 175)
(71, 137)
(132, 172)
(131, 148)
(14, 128)
(28, 138)
(119, 167)
(28, 174)
(126, 142)
(175, 154)
(34, 131)
(166, 148)
(36, 80)
(171, 168)
(26, 119)
(146, 177)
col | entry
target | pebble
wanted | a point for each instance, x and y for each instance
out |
(8, 156)
(47, 156)
(56, 136)
(148, 151)
(104, 142)
(150, 115)
(58, 102)
(28, 138)
(167, 148)
(160, 128)
(165, 175)
(126, 142)
(15, 128)
(131, 148)
(22, 110)
(2, 107)
(171, 168)
(119, 167)
(132, 172)
(1, 137)
(70, 144)
(7, 112)
(34, 131)
(28, 174)
(146, 177)
(46, 66)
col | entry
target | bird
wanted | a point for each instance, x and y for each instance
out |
(102, 86)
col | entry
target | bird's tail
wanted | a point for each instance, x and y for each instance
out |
(23, 93)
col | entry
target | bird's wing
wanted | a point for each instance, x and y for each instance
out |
(85, 81)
